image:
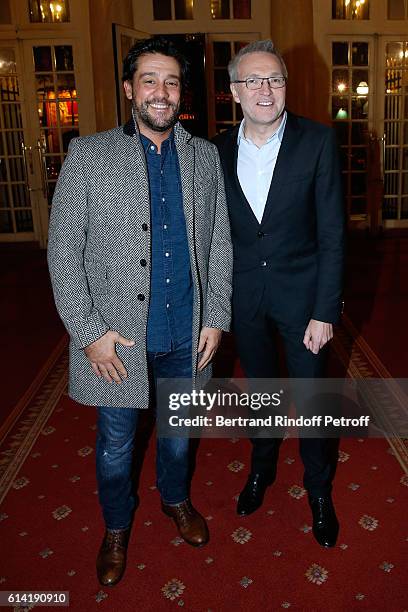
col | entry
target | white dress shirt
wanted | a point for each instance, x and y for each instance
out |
(256, 166)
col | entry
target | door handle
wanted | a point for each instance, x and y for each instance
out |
(43, 168)
(26, 165)
(383, 141)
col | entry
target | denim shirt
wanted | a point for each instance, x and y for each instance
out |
(170, 316)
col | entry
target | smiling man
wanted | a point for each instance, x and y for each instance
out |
(285, 206)
(140, 260)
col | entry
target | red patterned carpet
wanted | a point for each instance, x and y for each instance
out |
(51, 524)
(30, 328)
(376, 295)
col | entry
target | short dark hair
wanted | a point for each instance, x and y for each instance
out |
(154, 45)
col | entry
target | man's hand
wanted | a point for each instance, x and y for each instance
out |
(317, 334)
(104, 360)
(210, 338)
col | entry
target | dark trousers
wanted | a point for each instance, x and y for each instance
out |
(256, 339)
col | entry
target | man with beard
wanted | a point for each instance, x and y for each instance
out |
(140, 260)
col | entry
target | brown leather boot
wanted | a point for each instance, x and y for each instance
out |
(190, 524)
(111, 560)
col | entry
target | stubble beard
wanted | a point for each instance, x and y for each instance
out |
(156, 124)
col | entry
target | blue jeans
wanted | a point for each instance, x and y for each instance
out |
(115, 445)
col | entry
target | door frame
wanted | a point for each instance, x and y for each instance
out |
(119, 31)
(23, 44)
(9, 40)
(379, 119)
(378, 29)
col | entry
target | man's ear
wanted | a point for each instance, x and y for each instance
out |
(234, 92)
(127, 86)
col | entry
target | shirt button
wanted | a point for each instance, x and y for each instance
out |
(167, 280)
(167, 305)
(143, 262)
(167, 254)
(141, 297)
(163, 199)
(152, 147)
(145, 227)
(164, 226)
(263, 264)
(260, 234)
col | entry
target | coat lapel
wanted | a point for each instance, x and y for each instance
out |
(133, 178)
(186, 156)
(187, 164)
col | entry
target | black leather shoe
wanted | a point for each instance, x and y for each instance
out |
(325, 523)
(251, 496)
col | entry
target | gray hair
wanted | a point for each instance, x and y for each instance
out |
(258, 46)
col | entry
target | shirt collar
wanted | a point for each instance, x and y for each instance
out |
(146, 142)
(279, 132)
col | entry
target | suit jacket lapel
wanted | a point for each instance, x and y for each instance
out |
(284, 164)
(231, 153)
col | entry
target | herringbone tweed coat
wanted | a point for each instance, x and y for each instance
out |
(99, 233)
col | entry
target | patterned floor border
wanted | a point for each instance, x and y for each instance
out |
(361, 362)
(22, 428)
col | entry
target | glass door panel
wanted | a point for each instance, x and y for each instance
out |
(57, 105)
(369, 110)
(124, 39)
(351, 112)
(56, 96)
(48, 12)
(16, 214)
(223, 111)
(43, 83)
(394, 126)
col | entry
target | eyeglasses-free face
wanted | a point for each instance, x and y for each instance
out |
(155, 92)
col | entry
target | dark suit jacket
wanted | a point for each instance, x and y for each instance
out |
(297, 250)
